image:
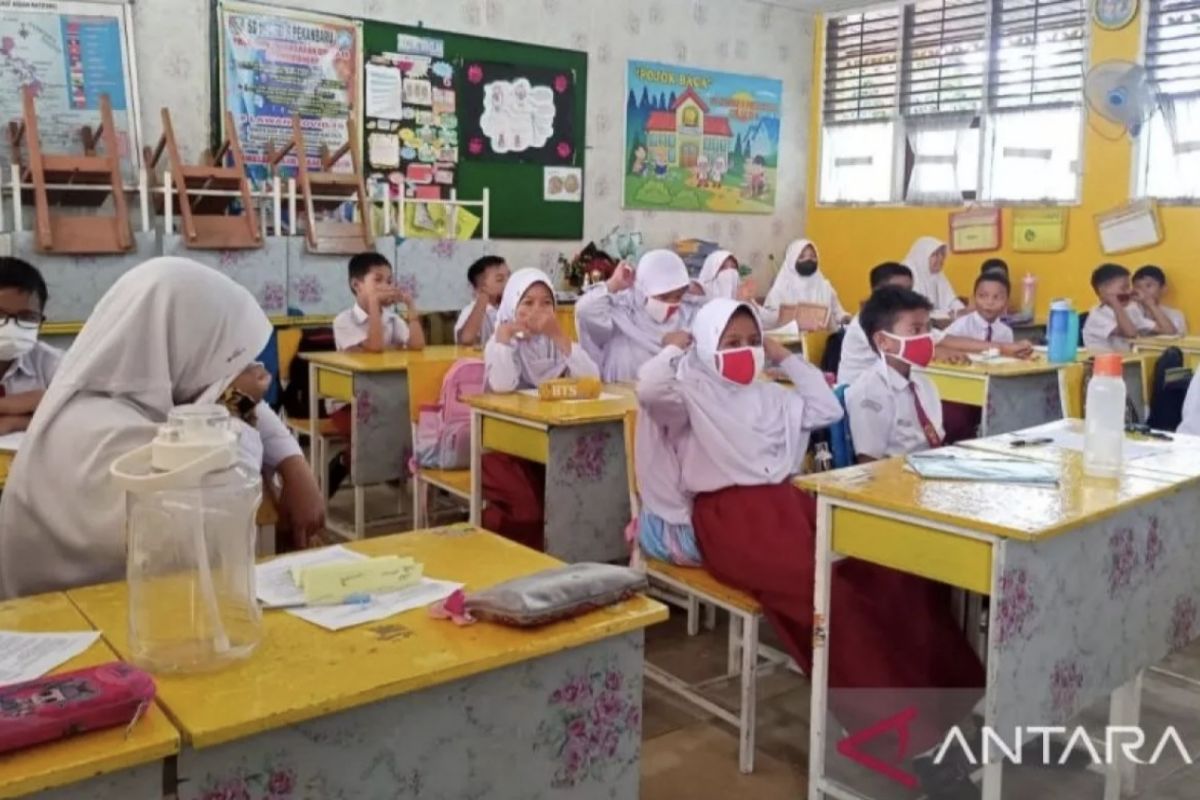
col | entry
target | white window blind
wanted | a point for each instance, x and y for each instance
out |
(861, 66)
(1038, 54)
(1173, 46)
(946, 57)
(1170, 143)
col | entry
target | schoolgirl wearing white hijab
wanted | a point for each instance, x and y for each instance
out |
(800, 281)
(719, 277)
(628, 319)
(527, 346)
(927, 259)
(166, 333)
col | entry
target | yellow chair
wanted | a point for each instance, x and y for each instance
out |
(424, 388)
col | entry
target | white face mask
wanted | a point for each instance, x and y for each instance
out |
(16, 341)
(726, 284)
(659, 311)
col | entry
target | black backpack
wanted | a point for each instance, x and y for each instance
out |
(1170, 387)
(295, 395)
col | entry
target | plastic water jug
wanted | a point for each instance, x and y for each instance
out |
(1104, 423)
(1062, 333)
(190, 529)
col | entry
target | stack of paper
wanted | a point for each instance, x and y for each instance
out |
(25, 656)
(935, 466)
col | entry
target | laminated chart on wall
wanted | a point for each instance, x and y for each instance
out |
(519, 113)
(1039, 230)
(70, 53)
(276, 62)
(412, 120)
(1131, 227)
(975, 230)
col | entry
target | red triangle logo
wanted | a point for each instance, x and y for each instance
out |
(849, 747)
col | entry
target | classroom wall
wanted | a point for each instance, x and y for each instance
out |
(852, 240)
(174, 56)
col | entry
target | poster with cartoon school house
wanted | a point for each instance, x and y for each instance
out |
(697, 140)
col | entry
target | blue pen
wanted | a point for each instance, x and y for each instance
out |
(357, 599)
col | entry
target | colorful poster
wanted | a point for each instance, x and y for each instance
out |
(275, 63)
(71, 53)
(414, 147)
(697, 140)
(518, 113)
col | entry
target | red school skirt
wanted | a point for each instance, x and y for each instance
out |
(514, 491)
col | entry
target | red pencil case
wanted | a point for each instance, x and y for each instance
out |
(57, 706)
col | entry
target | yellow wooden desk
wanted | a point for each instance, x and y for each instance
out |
(1190, 345)
(1090, 582)
(810, 344)
(101, 764)
(6, 459)
(582, 446)
(415, 706)
(375, 385)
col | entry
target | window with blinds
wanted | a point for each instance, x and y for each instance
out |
(1038, 53)
(861, 53)
(946, 58)
(1173, 46)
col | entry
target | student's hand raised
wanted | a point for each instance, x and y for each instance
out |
(681, 339)
(622, 278)
(776, 353)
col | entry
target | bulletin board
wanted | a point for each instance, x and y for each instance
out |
(519, 208)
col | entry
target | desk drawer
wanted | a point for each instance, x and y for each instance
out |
(334, 385)
(961, 388)
(503, 436)
(945, 557)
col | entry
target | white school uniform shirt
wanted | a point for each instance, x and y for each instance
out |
(883, 414)
(1190, 424)
(1100, 334)
(350, 328)
(974, 326)
(485, 330)
(504, 367)
(1177, 319)
(32, 371)
(857, 355)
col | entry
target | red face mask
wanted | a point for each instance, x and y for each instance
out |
(915, 350)
(740, 365)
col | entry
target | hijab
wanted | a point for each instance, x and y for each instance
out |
(167, 331)
(747, 435)
(538, 356)
(710, 272)
(935, 287)
(791, 287)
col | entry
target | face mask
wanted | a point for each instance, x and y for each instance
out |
(659, 311)
(740, 365)
(806, 267)
(726, 283)
(915, 350)
(16, 342)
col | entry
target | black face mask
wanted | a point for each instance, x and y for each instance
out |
(806, 267)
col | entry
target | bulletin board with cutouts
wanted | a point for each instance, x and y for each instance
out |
(449, 112)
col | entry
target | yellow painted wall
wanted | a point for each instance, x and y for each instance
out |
(852, 240)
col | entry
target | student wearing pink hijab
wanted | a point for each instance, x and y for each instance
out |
(526, 349)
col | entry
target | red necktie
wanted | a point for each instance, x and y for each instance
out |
(989, 333)
(931, 434)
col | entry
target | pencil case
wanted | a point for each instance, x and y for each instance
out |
(570, 389)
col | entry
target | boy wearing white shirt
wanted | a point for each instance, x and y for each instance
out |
(992, 290)
(1117, 319)
(26, 364)
(477, 321)
(371, 325)
(1149, 283)
(894, 410)
(857, 354)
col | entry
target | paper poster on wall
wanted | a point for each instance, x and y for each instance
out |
(975, 230)
(384, 91)
(421, 153)
(275, 63)
(563, 184)
(518, 113)
(70, 53)
(697, 140)
(1131, 227)
(1039, 230)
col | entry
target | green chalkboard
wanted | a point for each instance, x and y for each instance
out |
(518, 207)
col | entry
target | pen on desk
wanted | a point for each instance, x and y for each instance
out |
(1030, 442)
(348, 600)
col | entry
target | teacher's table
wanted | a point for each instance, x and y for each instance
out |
(102, 764)
(375, 385)
(1090, 581)
(411, 706)
(582, 445)
(1155, 345)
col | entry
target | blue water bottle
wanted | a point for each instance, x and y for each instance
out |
(1059, 332)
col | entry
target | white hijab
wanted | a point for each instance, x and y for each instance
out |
(750, 435)
(935, 287)
(538, 356)
(791, 287)
(712, 269)
(164, 333)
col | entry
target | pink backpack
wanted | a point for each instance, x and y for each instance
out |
(443, 436)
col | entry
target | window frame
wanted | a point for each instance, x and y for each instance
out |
(901, 167)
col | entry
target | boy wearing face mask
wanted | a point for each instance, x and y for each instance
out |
(26, 364)
(893, 409)
(1118, 318)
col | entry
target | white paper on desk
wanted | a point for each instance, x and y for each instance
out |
(25, 656)
(274, 578)
(982, 358)
(335, 618)
(1069, 440)
(791, 329)
(11, 442)
(601, 396)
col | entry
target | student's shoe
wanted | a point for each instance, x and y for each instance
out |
(338, 472)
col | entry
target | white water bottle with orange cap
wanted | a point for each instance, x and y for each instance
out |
(1104, 424)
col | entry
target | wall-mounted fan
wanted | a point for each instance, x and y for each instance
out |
(1121, 92)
